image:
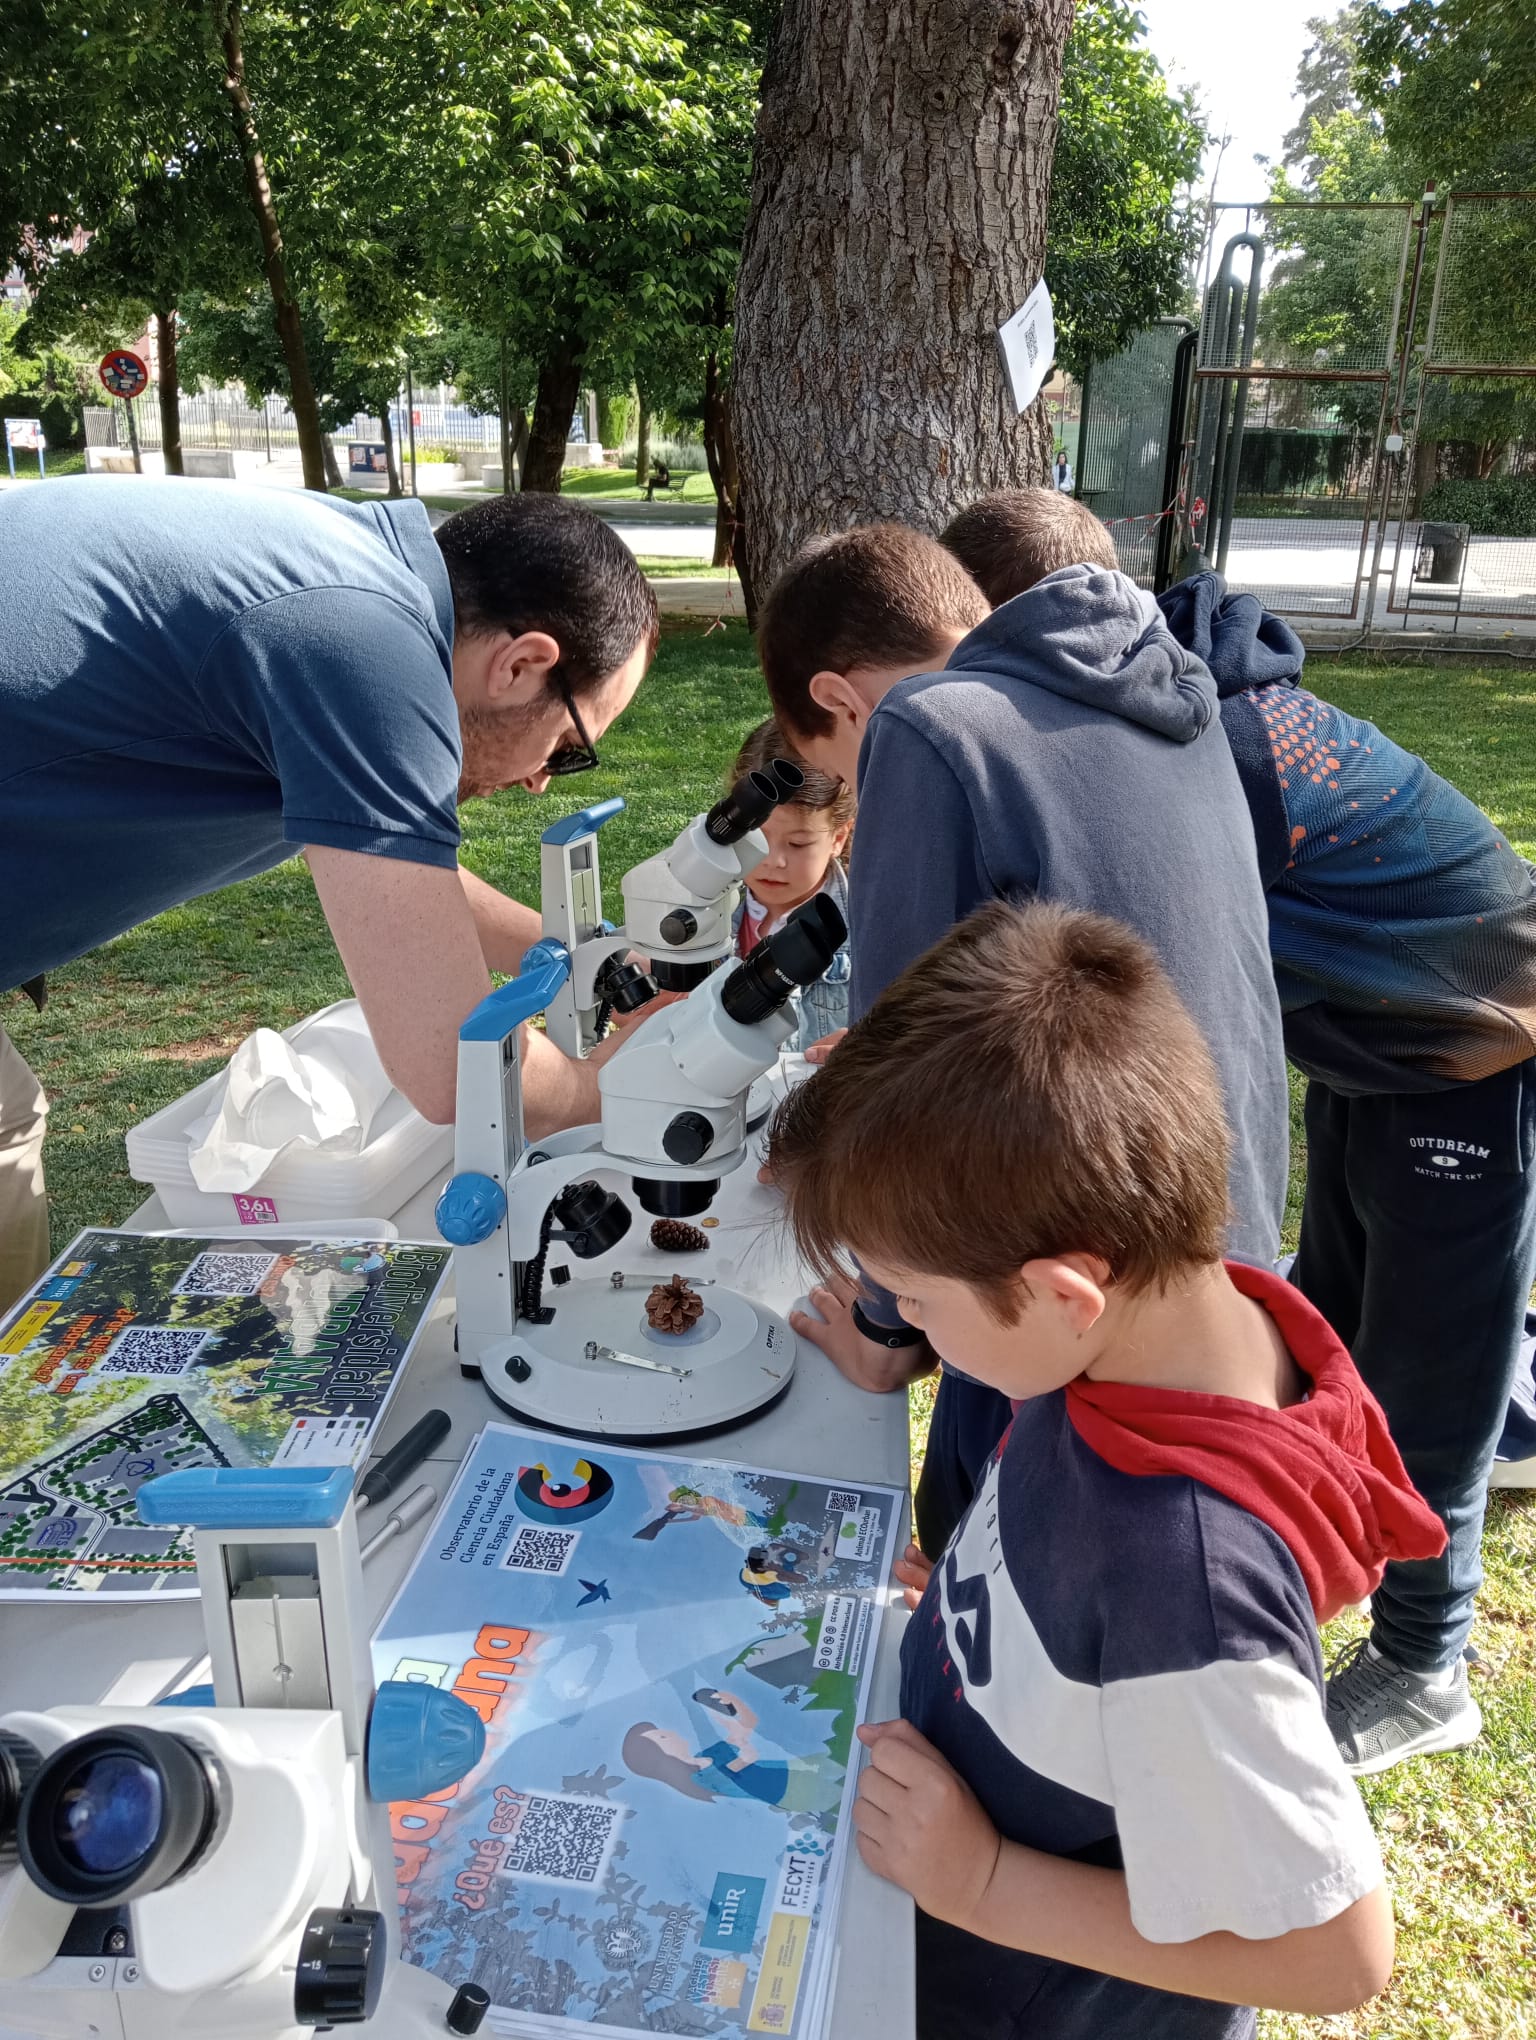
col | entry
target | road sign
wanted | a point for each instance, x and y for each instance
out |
(123, 373)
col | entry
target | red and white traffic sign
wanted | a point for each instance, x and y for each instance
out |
(123, 373)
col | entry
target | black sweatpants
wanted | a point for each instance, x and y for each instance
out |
(1418, 1244)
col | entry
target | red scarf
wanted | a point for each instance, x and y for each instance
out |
(1323, 1474)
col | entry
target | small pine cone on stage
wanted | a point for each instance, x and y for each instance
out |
(673, 1306)
(673, 1237)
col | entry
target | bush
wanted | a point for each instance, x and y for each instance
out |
(63, 423)
(1502, 508)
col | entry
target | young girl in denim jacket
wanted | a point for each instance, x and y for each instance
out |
(807, 839)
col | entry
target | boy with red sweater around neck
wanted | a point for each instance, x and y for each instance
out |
(1112, 1791)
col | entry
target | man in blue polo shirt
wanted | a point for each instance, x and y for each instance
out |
(199, 681)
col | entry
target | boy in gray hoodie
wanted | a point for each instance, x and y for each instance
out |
(1065, 748)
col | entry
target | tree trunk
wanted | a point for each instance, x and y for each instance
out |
(332, 465)
(285, 310)
(1422, 477)
(724, 472)
(642, 442)
(391, 465)
(899, 187)
(169, 389)
(553, 409)
(519, 443)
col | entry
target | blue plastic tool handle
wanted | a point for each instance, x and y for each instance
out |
(573, 827)
(246, 1498)
(521, 997)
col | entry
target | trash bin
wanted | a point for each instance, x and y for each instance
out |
(1442, 549)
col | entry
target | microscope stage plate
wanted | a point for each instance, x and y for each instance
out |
(738, 1363)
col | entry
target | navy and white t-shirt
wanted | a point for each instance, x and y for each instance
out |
(1125, 1670)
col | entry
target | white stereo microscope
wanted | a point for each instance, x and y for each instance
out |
(580, 1356)
(220, 1866)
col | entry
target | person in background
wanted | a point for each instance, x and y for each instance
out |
(807, 846)
(1066, 748)
(1063, 471)
(1402, 928)
(203, 679)
(1111, 1791)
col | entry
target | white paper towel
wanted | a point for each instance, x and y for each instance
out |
(316, 1094)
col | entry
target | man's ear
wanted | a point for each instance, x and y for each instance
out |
(838, 695)
(518, 671)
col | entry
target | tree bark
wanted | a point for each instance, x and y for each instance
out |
(332, 465)
(900, 180)
(169, 389)
(724, 470)
(553, 409)
(387, 432)
(285, 310)
(642, 442)
(519, 443)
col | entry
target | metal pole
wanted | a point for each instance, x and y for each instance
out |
(266, 419)
(1178, 423)
(133, 436)
(410, 415)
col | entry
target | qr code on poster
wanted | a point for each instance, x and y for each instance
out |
(842, 1501)
(153, 1349)
(542, 1551)
(225, 1275)
(561, 1839)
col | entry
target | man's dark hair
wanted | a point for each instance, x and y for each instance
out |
(520, 563)
(877, 596)
(1009, 541)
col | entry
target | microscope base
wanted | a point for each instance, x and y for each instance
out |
(739, 1356)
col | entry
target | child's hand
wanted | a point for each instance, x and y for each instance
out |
(920, 1824)
(867, 1363)
(820, 1050)
(912, 1570)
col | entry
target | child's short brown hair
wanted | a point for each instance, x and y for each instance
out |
(821, 792)
(880, 595)
(1009, 541)
(1031, 1086)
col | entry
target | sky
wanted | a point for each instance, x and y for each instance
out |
(1241, 61)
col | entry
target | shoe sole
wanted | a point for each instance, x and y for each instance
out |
(1456, 1735)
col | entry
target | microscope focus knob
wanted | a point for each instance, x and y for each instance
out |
(342, 1960)
(687, 1139)
(470, 1209)
(681, 925)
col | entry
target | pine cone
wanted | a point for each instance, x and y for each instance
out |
(673, 1306)
(673, 1237)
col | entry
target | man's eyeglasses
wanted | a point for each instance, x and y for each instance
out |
(580, 756)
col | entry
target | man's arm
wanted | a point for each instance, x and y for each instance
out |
(413, 953)
(506, 927)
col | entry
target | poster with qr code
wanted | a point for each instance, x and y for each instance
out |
(670, 1656)
(140, 1353)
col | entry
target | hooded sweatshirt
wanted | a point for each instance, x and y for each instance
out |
(1323, 1473)
(1402, 923)
(1071, 750)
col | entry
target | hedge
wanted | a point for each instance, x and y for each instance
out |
(63, 421)
(1502, 508)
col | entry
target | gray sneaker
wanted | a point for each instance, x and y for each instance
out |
(1379, 1713)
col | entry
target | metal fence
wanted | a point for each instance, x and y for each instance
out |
(1358, 439)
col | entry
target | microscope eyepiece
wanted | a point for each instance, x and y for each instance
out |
(790, 778)
(743, 808)
(117, 1814)
(796, 954)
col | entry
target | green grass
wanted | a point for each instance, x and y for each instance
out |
(58, 464)
(663, 567)
(134, 1025)
(617, 485)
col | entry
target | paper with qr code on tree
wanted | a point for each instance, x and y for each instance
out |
(670, 1656)
(138, 1354)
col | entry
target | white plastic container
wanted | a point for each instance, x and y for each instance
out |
(403, 1152)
